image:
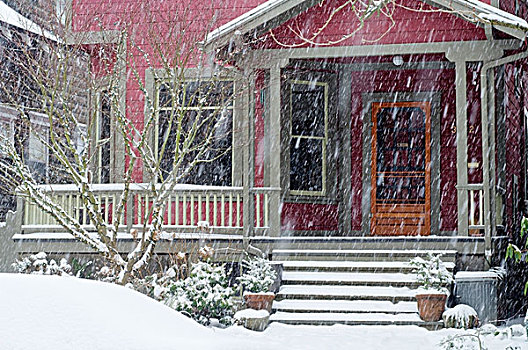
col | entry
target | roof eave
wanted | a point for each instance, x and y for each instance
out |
(265, 16)
(476, 9)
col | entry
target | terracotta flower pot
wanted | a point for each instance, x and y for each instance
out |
(431, 306)
(259, 301)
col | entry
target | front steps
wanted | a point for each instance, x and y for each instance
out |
(353, 287)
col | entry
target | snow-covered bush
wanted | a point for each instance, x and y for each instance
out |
(432, 273)
(258, 277)
(460, 316)
(203, 295)
(465, 341)
(39, 264)
(157, 286)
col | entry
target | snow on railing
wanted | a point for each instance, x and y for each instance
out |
(185, 207)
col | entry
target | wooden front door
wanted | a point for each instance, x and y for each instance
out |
(401, 163)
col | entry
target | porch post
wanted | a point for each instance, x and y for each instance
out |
(461, 144)
(248, 168)
(274, 149)
(345, 126)
(486, 161)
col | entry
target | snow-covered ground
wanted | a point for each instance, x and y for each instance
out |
(64, 313)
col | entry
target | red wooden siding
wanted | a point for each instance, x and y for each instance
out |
(513, 141)
(408, 27)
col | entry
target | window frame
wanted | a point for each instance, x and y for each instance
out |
(97, 162)
(157, 83)
(324, 138)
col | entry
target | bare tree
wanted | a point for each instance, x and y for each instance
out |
(186, 124)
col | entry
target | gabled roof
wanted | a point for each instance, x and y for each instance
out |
(15, 19)
(274, 12)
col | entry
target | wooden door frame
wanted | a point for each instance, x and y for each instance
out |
(426, 107)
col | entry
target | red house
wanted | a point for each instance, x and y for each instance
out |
(389, 119)
(382, 125)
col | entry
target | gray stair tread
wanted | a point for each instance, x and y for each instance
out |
(365, 251)
(359, 317)
(348, 291)
(355, 264)
(358, 306)
(348, 277)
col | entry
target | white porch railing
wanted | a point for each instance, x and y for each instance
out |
(185, 206)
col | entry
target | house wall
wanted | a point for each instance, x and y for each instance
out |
(409, 27)
(387, 78)
(510, 174)
(402, 26)
(150, 23)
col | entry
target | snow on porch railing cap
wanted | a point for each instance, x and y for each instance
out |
(118, 187)
(140, 187)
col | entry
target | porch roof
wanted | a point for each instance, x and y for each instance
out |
(275, 12)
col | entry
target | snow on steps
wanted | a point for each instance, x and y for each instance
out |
(352, 266)
(343, 278)
(358, 255)
(352, 319)
(332, 292)
(354, 287)
(345, 306)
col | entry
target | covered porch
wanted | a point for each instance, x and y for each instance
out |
(345, 204)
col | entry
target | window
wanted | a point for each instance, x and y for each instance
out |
(308, 137)
(201, 114)
(102, 135)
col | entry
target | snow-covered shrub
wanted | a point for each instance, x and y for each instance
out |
(432, 272)
(517, 330)
(460, 316)
(206, 253)
(203, 295)
(258, 277)
(489, 329)
(39, 264)
(464, 341)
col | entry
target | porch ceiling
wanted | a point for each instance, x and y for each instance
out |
(275, 12)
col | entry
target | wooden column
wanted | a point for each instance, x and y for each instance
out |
(492, 154)
(274, 148)
(345, 126)
(248, 163)
(461, 144)
(487, 160)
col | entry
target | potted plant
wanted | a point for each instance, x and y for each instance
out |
(434, 278)
(256, 281)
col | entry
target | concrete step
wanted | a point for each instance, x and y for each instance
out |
(359, 255)
(325, 318)
(392, 294)
(471, 245)
(345, 306)
(351, 286)
(352, 266)
(349, 279)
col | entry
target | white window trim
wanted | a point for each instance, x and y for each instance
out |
(323, 192)
(206, 78)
